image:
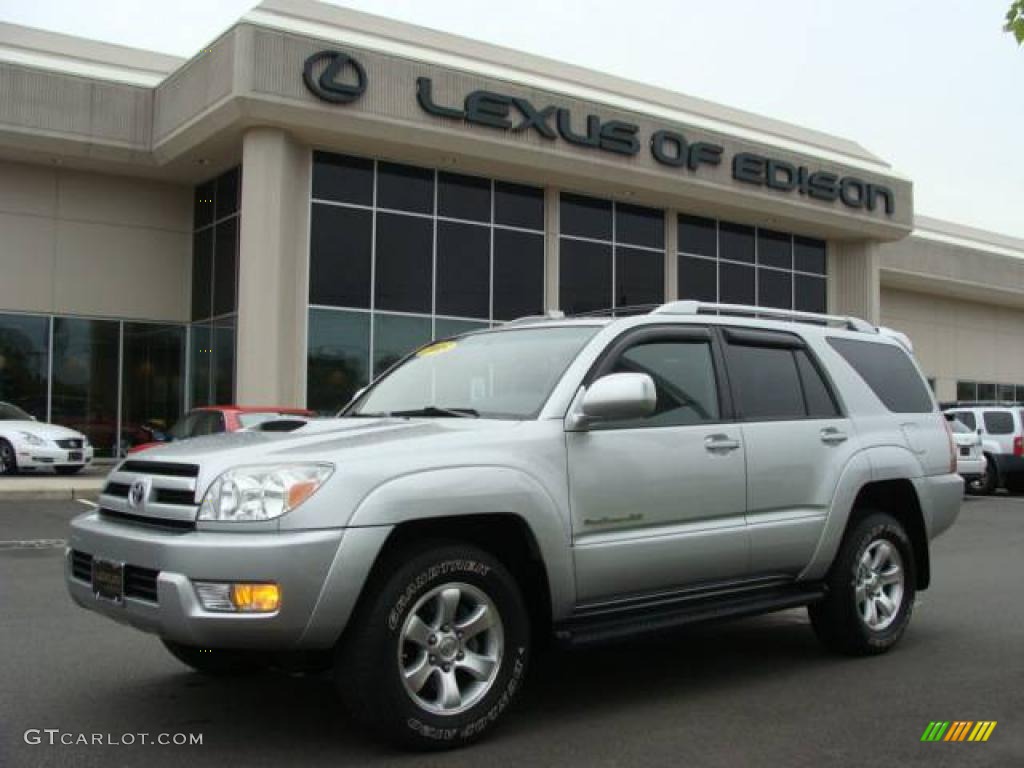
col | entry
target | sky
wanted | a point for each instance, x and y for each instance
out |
(934, 87)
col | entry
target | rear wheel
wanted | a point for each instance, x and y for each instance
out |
(8, 461)
(215, 662)
(437, 651)
(987, 482)
(871, 589)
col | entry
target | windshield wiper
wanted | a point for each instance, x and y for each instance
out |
(433, 410)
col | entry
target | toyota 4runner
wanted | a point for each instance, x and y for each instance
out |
(587, 478)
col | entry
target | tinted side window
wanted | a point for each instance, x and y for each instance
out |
(684, 377)
(967, 418)
(766, 382)
(887, 369)
(998, 422)
(820, 403)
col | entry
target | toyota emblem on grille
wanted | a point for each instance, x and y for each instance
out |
(138, 492)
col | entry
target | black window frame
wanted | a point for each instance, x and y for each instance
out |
(647, 334)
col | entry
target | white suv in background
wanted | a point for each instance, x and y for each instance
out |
(1001, 428)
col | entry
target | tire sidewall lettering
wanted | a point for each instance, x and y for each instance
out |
(424, 578)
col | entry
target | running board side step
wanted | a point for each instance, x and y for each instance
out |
(589, 630)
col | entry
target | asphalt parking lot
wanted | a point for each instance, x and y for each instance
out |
(751, 693)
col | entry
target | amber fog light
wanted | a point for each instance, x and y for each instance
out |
(239, 598)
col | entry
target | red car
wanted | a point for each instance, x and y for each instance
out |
(213, 419)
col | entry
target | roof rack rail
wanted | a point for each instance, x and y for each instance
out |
(947, 404)
(552, 314)
(745, 310)
(626, 309)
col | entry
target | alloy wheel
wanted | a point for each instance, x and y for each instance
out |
(450, 648)
(880, 584)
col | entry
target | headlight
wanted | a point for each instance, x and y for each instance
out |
(33, 439)
(261, 493)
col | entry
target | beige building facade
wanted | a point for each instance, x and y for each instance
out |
(317, 192)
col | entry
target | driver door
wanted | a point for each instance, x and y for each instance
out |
(658, 503)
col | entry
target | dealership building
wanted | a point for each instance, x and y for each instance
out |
(280, 217)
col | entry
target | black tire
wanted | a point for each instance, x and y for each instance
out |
(373, 653)
(8, 459)
(837, 620)
(68, 470)
(216, 662)
(986, 484)
(1014, 483)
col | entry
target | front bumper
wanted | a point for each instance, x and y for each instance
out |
(38, 457)
(300, 562)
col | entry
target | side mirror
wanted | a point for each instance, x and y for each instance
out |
(617, 396)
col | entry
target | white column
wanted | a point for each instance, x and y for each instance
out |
(551, 267)
(273, 273)
(853, 279)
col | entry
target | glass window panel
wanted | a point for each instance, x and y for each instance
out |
(736, 283)
(585, 281)
(809, 255)
(151, 378)
(774, 249)
(202, 213)
(966, 390)
(1004, 391)
(224, 361)
(342, 178)
(518, 274)
(463, 197)
(24, 362)
(967, 417)
(225, 266)
(635, 225)
(774, 288)
(85, 382)
(986, 391)
(338, 358)
(766, 383)
(698, 279)
(998, 422)
(395, 336)
(517, 205)
(736, 242)
(405, 247)
(820, 404)
(463, 270)
(202, 274)
(639, 276)
(443, 327)
(684, 380)
(340, 249)
(810, 293)
(200, 364)
(697, 235)
(228, 193)
(586, 217)
(405, 188)
(888, 370)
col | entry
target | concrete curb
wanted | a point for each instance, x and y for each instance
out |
(49, 494)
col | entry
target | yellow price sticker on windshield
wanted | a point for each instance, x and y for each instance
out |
(436, 349)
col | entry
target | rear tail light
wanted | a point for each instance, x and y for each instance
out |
(952, 446)
(1018, 446)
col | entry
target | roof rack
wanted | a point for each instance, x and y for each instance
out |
(744, 310)
(946, 405)
(552, 314)
(625, 310)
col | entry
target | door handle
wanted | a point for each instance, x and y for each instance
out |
(832, 436)
(720, 443)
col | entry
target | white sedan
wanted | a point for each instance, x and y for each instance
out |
(28, 444)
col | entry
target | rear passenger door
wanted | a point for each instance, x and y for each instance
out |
(797, 442)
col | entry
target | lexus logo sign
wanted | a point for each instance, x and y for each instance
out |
(334, 82)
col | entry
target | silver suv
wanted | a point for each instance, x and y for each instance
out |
(588, 478)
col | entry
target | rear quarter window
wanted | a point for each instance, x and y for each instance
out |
(998, 422)
(889, 372)
(967, 418)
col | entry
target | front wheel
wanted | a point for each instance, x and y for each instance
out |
(8, 461)
(438, 649)
(870, 589)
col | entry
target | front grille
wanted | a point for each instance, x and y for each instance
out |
(81, 565)
(172, 496)
(71, 443)
(165, 468)
(139, 582)
(167, 524)
(117, 489)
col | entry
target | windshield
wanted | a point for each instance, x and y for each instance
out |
(504, 374)
(197, 424)
(248, 420)
(10, 412)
